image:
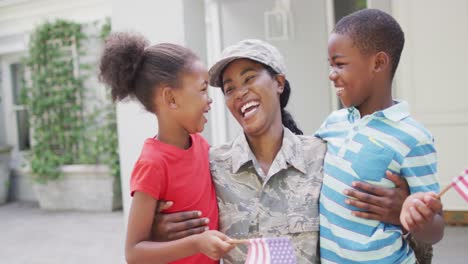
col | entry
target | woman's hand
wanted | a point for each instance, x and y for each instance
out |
(168, 227)
(213, 244)
(380, 203)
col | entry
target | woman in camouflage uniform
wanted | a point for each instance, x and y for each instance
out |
(267, 179)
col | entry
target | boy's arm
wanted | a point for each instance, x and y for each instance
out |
(422, 210)
(422, 217)
(139, 248)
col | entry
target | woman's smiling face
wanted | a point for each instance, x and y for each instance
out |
(252, 95)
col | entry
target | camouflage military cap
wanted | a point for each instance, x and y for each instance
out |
(253, 49)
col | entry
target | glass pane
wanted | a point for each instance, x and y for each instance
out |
(22, 119)
(16, 72)
(346, 7)
(2, 120)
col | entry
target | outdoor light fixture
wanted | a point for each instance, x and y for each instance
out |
(278, 21)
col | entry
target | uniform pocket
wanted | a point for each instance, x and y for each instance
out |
(303, 218)
(372, 161)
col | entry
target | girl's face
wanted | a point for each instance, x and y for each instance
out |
(351, 71)
(252, 95)
(192, 98)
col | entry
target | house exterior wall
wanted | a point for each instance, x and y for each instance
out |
(19, 17)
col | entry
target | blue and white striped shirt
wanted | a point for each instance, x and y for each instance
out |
(362, 149)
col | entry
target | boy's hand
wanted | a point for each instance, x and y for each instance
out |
(214, 244)
(419, 210)
(380, 203)
(168, 227)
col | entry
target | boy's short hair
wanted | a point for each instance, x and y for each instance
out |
(373, 30)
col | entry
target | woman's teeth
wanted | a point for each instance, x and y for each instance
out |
(249, 108)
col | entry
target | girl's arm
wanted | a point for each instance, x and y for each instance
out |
(139, 248)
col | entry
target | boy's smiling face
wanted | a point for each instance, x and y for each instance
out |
(352, 72)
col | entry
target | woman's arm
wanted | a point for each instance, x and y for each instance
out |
(140, 249)
(168, 227)
(380, 203)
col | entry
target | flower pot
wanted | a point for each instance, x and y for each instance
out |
(82, 188)
(21, 188)
(4, 172)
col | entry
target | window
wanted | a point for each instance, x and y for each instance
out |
(346, 7)
(21, 114)
(3, 136)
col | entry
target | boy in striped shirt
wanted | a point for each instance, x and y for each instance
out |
(371, 135)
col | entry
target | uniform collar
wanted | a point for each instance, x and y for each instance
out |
(398, 111)
(290, 153)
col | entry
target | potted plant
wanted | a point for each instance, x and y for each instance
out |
(73, 156)
(4, 172)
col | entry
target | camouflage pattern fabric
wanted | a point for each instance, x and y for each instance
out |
(423, 251)
(283, 202)
(252, 49)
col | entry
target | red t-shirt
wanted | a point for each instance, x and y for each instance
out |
(183, 176)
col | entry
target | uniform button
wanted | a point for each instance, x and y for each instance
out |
(355, 128)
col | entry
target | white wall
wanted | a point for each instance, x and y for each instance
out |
(432, 78)
(19, 17)
(305, 54)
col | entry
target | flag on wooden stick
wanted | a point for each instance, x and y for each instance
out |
(460, 184)
(270, 251)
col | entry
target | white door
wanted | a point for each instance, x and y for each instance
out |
(432, 78)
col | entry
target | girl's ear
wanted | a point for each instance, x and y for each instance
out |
(168, 97)
(281, 80)
(381, 61)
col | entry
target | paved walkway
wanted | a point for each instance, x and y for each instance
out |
(31, 236)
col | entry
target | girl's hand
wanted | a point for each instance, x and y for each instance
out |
(380, 203)
(213, 244)
(419, 210)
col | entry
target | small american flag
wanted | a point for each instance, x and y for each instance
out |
(270, 251)
(460, 184)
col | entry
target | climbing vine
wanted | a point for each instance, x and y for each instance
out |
(63, 130)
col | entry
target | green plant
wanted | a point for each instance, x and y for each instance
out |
(63, 131)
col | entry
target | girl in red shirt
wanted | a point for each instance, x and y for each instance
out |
(171, 82)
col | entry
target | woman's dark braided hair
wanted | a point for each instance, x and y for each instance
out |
(286, 117)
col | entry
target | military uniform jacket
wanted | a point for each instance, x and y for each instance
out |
(283, 202)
